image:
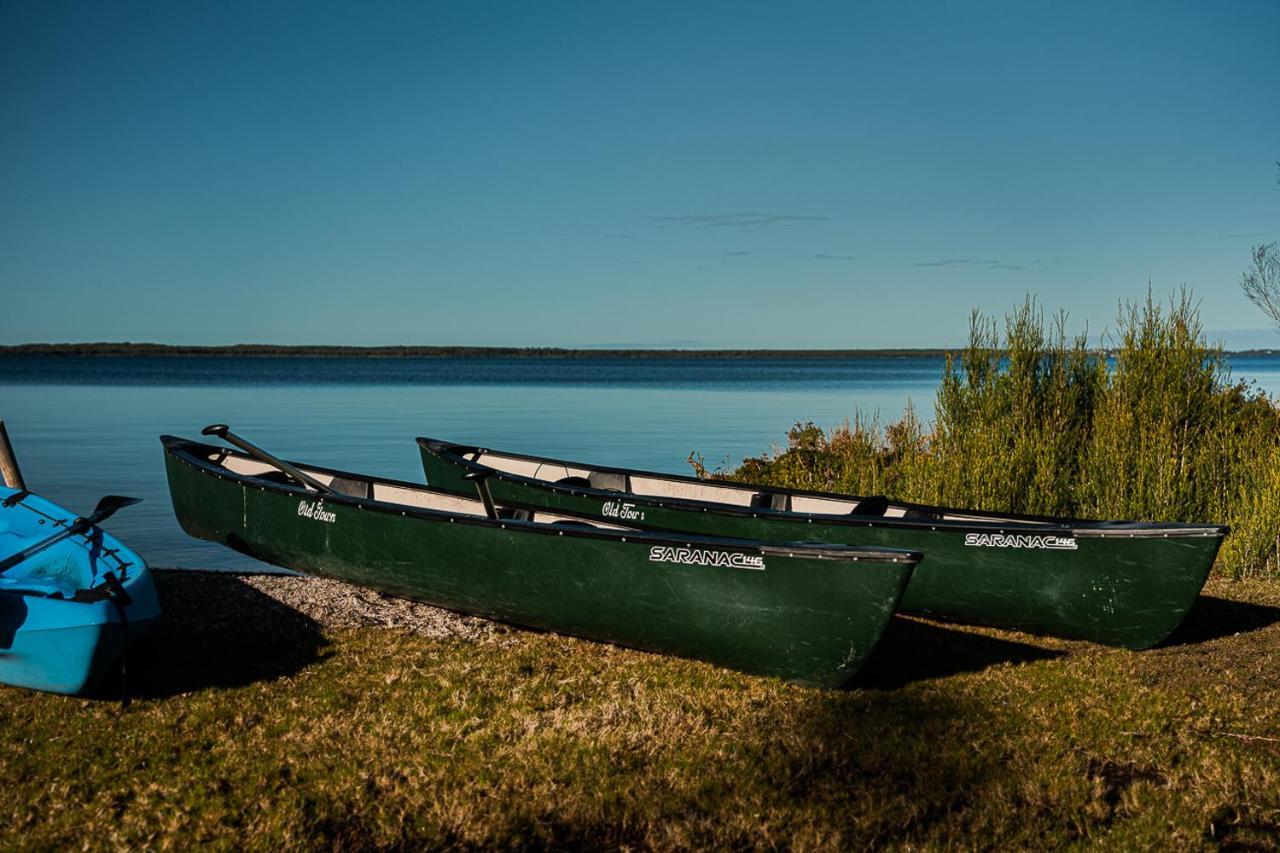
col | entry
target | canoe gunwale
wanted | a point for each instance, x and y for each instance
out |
(999, 523)
(179, 449)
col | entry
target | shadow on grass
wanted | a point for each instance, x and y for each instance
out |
(912, 650)
(891, 758)
(217, 631)
(1212, 618)
(716, 769)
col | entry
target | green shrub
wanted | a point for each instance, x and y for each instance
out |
(1035, 420)
(1013, 415)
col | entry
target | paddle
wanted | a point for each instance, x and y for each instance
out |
(224, 432)
(481, 479)
(106, 508)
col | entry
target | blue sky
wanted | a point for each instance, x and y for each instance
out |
(784, 175)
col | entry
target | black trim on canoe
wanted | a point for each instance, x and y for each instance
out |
(983, 521)
(188, 452)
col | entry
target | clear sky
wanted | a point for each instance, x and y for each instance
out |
(696, 174)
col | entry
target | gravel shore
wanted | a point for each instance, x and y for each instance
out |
(215, 597)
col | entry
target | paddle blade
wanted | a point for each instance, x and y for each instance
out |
(110, 504)
(220, 430)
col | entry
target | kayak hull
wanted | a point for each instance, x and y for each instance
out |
(1120, 585)
(809, 615)
(59, 631)
(68, 658)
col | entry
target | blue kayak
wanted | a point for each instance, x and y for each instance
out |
(68, 612)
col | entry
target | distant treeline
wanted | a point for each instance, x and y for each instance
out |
(323, 351)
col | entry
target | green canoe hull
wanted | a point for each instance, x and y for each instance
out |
(1127, 585)
(806, 613)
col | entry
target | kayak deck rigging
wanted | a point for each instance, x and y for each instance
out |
(59, 571)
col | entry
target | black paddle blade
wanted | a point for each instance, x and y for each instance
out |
(220, 430)
(110, 504)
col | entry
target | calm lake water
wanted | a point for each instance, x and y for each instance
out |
(84, 427)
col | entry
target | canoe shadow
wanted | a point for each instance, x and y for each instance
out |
(914, 650)
(1212, 618)
(216, 631)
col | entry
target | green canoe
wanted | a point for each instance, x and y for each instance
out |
(1120, 583)
(805, 612)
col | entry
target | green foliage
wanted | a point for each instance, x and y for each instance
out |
(1013, 416)
(864, 457)
(1034, 420)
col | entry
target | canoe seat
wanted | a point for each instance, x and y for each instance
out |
(507, 513)
(579, 482)
(352, 488)
(876, 505)
(776, 501)
(609, 481)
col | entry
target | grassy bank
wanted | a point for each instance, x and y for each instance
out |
(255, 722)
(1033, 419)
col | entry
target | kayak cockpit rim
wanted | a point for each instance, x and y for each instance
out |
(428, 503)
(95, 539)
(660, 489)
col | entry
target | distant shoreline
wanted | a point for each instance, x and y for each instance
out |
(121, 350)
(325, 351)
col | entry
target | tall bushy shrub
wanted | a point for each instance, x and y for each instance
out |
(1013, 415)
(1253, 548)
(1036, 421)
(1164, 432)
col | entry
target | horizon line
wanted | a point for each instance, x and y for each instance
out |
(130, 348)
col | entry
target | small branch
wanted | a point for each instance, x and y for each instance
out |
(1247, 737)
(1237, 735)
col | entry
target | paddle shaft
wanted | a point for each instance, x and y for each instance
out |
(106, 508)
(9, 463)
(222, 432)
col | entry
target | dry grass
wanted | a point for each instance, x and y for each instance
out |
(257, 725)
